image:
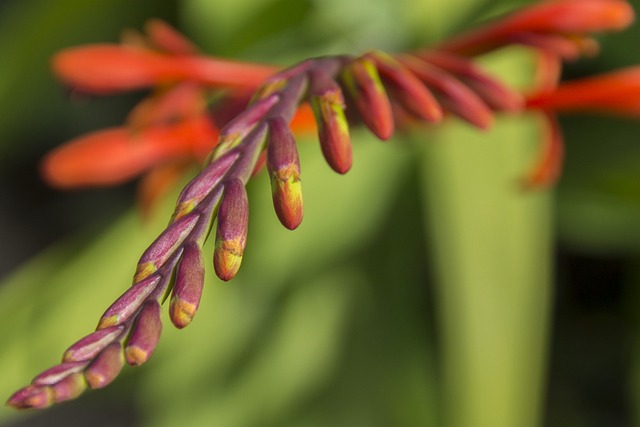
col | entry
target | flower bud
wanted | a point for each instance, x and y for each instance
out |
(144, 334)
(129, 302)
(408, 90)
(363, 82)
(231, 236)
(494, 93)
(32, 396)
(236, 130)
(58, 372)
(453, 94)
(203, 184)
(284, 169)
(89, 346)
(106, 367)
(165, 246)
(69, 388)
(188, 286)
(333, 129)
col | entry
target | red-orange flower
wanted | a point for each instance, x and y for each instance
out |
(616, 92)
(558, 25)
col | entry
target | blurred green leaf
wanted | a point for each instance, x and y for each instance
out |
(491, 245)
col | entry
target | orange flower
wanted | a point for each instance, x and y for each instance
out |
(617, 92)
(166, 132)
(559, 25)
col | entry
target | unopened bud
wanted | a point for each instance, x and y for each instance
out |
(187, 289)
(408, 90)
(144, 334)
(363, 82)
(128, 303)
(106, 367)
(333, 129)
(87, 347)
(231, 236)
(284, 169)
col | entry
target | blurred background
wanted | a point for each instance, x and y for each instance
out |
(423, 288)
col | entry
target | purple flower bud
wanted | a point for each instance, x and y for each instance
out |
(106, 367)
(453, 94)
(284, 169)
(363, 82)
(31, 396)
(128, 303)
(144, 334)
(69, 388)
(58, 372)
(165, 246)
(495, 94)
(187, 290)
(202, 185)
(231, 236)
(87, 347)
(407, 89)
(236, 130)
(333, 130)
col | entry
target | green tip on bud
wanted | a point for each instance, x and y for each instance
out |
(408, 90)
(231, 235)
(106, 367)
(128, 303)
(333, 129)
(367, 91)
(188, 287)
(284, 169)
(144, 335)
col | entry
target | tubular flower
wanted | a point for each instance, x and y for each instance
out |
(616, 92)
(613, 93)
(386, 92)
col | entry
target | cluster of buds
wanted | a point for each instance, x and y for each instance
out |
(381, 91)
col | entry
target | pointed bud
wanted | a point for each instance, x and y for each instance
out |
(129, 302)
(333, 130)
(237, 129)
(58, 372)
(69, 388)
(165, 246)
(31, 396)
(202, 185)
(188, 286)
(284, 169)
(408, 90)
(89, 346)
(231, 236)
(144, 334)
(363, 82)
(106, 367)
(453, 94)
(494, 93)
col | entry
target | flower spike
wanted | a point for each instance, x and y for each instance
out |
(255, 119)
